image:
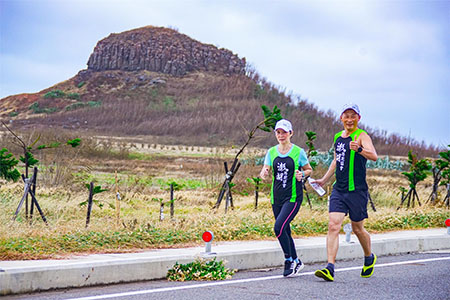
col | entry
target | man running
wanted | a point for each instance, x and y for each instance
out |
(352, 148)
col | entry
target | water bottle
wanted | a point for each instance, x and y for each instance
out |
(319, 190)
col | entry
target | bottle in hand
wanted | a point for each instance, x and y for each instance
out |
(319, 190)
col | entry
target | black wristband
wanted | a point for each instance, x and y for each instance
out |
(360, 149)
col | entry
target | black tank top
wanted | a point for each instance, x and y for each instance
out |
(350, 166)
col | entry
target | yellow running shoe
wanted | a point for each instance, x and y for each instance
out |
(324, 274)
(367, 271)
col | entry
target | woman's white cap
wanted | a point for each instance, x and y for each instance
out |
(284, 124)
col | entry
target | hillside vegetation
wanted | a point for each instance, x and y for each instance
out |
(159, 83)
(200, 108)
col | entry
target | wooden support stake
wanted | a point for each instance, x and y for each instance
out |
(25, 194)
(33, 198)
(161, 211)
(33, 189)
(307, 198)
(171, 201)
(227, 197)
(256, 194)
(371, 202)
(229, 174)
(117, 200)
(91, 194)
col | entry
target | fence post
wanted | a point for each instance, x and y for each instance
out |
(26, 190)
(91, 192)
(161, 211)
(33, 189)
(171, 201)
(117, 201)
(256, 194)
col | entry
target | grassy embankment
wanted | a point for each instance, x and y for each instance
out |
(142, 177)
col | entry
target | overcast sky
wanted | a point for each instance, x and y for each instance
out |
(390, 57)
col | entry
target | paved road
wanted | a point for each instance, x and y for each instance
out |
(411, 276)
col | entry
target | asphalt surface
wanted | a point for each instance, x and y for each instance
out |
(408, 276)
(19, 277)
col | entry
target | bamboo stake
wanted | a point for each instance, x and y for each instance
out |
(117, 200)
(91, 194)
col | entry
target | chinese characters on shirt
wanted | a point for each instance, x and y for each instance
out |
(282, 173)
(340, 155)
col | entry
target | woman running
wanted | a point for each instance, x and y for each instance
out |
(290, 165)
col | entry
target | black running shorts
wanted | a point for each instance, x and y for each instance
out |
(353, 203)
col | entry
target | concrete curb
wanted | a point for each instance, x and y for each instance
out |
(30, 276)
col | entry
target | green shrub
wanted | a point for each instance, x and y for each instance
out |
(94, 103)
(54, 94)
(78, 105)
(80, 85)
(35, 107)
(74, 96)
(200, 269)
(169, 103)
(13, 114)
(8, 166)
(75, 105)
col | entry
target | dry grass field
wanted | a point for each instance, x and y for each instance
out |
(143, 177)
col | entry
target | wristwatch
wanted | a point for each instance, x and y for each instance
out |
(360, 149)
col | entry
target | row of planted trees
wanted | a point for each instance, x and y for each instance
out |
(8, 169)
(418, 171)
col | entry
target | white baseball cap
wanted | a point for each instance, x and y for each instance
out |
(284, 124)
(351, 106)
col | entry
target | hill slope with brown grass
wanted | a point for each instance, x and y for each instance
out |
(157, 82)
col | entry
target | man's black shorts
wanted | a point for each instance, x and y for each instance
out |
(354, 203)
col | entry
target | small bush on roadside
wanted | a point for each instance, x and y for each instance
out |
(199, 270)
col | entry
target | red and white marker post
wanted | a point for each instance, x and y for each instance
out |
(208, 237)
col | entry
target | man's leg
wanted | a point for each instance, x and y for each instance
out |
(363, 237)
(336, 213)
(334, 226)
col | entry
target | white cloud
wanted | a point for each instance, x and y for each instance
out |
(388, 55)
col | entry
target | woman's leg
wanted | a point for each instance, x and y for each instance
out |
(284, 215)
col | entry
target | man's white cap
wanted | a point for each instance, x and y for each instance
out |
(351, 106)
(284, 124)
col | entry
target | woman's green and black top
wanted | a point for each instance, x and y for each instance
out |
(285, 187)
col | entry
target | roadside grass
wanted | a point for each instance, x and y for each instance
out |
(141, 229)
(144, 178)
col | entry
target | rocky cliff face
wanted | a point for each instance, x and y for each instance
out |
(162, 50)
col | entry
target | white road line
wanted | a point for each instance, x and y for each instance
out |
(228, 282)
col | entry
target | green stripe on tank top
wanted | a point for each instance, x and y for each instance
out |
(294, 154)
(351, 168)
(273, 154)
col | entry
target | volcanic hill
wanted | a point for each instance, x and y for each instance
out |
(159, 83)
